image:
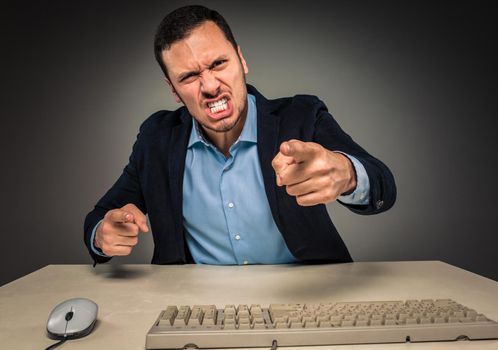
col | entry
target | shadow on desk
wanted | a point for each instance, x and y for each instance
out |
(113, 271)
(284, 282)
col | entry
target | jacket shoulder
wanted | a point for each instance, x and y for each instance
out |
(298, 104)
(161, 120)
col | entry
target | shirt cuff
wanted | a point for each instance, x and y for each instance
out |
(92, 240)
(361, 194)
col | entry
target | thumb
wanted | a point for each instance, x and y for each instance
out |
(285, 149)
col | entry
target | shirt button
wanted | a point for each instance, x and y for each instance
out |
(237, 237)
(230, 205)
(246, 262)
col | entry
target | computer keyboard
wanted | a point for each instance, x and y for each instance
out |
(205, 326)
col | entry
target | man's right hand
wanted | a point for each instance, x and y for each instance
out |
(118, 232)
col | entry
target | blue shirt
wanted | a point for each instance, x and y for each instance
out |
(226, 213)
(225, 209)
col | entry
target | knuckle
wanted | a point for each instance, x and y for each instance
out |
(321, 164)
(322, 150)
(105, 226)
(135, 230)
(301, 201)
(275, 163)
(290, 190)
(127, 206)
(107, 215)
(326, 181)
(106, 249)
(329, 195)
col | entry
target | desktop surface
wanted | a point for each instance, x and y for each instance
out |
(131, 296)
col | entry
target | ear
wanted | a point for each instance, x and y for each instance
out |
(177, 98)
(242, 60)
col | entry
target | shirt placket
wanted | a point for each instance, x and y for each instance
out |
(231, 209)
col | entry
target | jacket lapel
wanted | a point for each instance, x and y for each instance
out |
(268, 129)
(177, 150)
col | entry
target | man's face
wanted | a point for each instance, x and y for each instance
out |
(207, 74)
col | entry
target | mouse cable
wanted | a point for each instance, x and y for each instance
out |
(53, 346)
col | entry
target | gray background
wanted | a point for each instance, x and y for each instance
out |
(415, 84)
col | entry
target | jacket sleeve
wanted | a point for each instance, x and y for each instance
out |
(125, 190)
(329, 134)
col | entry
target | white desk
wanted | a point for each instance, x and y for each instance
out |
(131, 296)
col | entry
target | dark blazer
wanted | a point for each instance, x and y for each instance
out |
(153, 179)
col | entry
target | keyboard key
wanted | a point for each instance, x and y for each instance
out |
(310, 324)
(182, 316)
(411, 320)
(425, 320)
(229, 326)
(453, 319)
(471, 313)
(259, 326)
(281, 325)
(169, 315)
(244, 326)
(229, 310)
(376, 322)
(296, 324)
(441, 320)
(195, 316)
(244, 320)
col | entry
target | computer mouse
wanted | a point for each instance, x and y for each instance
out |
(71, 319)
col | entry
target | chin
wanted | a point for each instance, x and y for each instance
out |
(222, 126)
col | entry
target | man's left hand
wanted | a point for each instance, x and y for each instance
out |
(312, 173)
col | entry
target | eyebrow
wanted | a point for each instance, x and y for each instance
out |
(183, 75)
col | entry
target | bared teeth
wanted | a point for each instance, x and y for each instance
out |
(219, 105)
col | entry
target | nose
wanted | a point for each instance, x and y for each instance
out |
(210, 86)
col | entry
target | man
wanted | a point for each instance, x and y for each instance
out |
(231, 177)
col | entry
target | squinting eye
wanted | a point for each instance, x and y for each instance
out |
(217, 63)
(188, 76)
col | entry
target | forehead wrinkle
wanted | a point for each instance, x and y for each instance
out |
(191, 57)
(200, 50)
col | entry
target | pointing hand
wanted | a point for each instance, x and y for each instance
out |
(312, 173)
(118, 233)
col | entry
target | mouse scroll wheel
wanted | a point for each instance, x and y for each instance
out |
(69, 315)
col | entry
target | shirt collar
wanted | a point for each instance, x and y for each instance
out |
(249, 131)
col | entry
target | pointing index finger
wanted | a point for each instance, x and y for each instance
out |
(299, 150)
(119, 216)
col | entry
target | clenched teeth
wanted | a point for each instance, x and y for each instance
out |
(217, 106)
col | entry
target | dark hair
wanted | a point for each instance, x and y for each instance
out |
(179, 23)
